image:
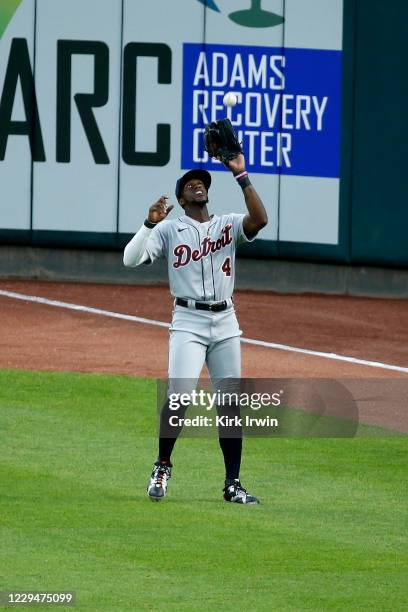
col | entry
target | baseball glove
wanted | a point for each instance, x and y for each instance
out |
(221, 141)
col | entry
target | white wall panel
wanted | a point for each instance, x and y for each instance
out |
(309, 210)
(15, 169)
(314, 24)
(170, 23)
(80, 195)
(309, 206)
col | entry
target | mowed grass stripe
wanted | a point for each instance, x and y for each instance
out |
(76, 453)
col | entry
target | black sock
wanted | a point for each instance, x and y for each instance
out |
(168, 433)
(230, 439)
(166, 446)
(232, 451)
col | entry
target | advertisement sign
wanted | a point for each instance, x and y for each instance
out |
(101, 114)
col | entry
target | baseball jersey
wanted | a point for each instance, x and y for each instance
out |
(200, 256)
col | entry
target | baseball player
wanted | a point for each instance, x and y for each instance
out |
(200, 251)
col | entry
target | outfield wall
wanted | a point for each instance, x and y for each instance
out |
(103, 105)
(106, 267)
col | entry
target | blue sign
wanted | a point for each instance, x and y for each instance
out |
(288, 106)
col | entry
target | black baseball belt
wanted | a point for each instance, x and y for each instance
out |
(217, 307)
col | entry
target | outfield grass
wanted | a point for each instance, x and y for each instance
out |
(77, 450)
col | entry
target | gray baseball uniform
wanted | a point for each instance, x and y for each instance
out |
(201, 267)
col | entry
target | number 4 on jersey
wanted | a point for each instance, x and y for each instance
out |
(226, 266)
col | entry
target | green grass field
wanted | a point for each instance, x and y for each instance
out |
(331, 532)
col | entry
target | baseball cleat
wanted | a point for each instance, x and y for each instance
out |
(235, 492)
(157, 486)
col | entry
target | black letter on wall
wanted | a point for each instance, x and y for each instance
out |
(19, 67)
(84, 102)
(130, 155)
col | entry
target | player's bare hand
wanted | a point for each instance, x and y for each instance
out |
(236, 165)
(159, 210)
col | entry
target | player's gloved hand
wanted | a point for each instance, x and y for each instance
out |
(159, 210)
(221, 141)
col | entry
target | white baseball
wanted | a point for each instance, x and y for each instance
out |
(230, 99)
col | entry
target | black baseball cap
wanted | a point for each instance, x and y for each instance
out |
(203, 175)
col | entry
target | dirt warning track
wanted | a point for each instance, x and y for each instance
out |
(41, 336)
